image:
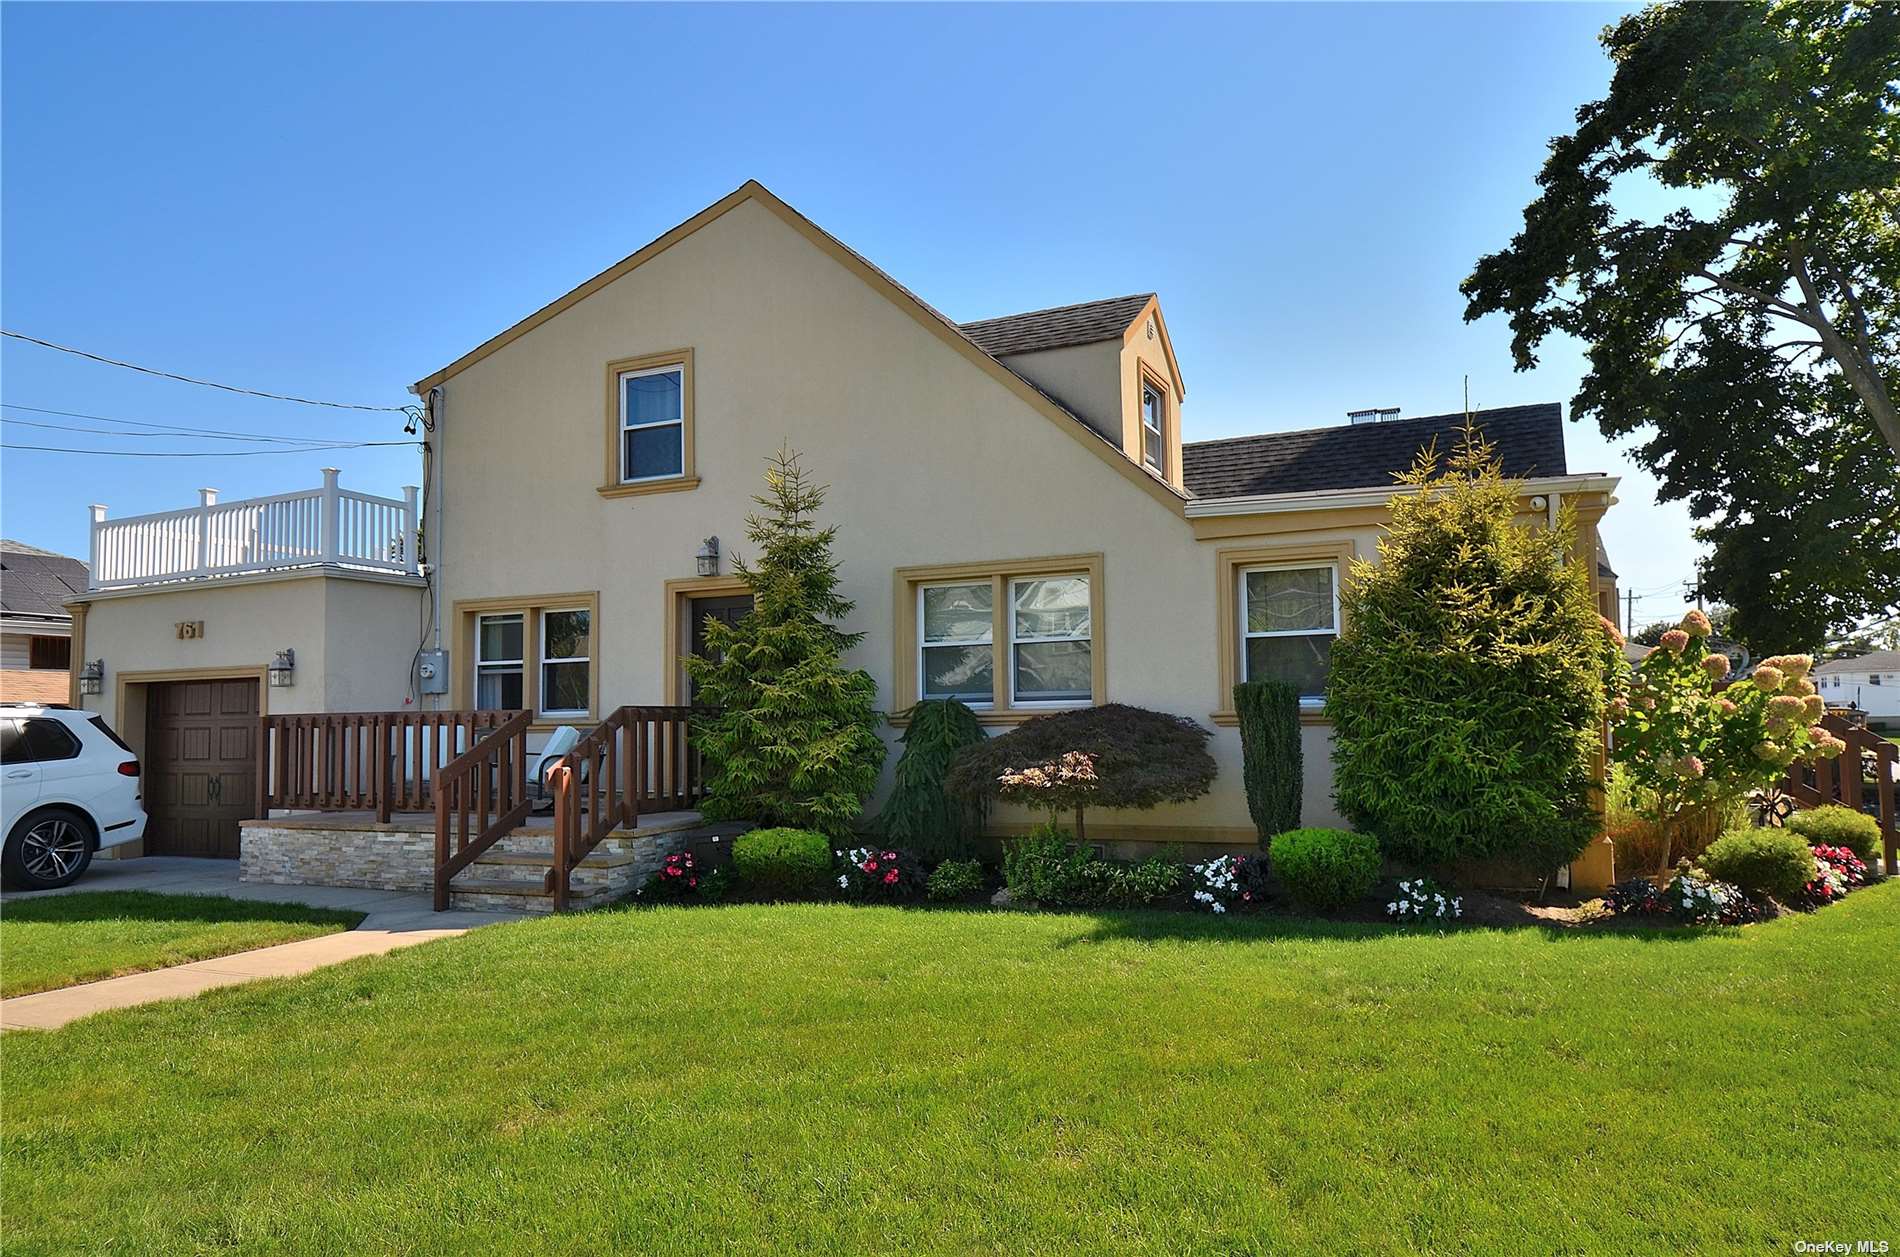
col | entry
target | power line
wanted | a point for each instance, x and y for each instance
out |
(187, 379)
(296, 449)
(299, 442)
(146, 423)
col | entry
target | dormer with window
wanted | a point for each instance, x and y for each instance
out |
(1109, 363)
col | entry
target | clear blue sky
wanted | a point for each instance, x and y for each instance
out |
(334, 200)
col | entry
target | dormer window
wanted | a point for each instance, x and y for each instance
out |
(1154, 428)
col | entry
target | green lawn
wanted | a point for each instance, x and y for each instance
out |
(59, 940)
(829, 1079)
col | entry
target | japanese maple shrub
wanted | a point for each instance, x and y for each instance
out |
(791, 735)
(1108, 756)
(1467, 683)
(1691, 745)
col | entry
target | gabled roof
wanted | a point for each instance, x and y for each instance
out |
(38, 582)
(1877, 661)
(1058, 327)
(1529, 441)
(902, 297)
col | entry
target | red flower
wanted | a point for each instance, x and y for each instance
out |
(890, 877)
(869, 866)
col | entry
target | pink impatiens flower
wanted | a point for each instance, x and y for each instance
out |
(890, 877)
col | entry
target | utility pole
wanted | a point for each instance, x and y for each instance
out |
(1629, 613)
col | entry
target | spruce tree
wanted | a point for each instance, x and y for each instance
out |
(792, 735)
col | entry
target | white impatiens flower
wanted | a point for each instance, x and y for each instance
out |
(844, 883)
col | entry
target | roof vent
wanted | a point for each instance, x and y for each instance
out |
(1378, 414)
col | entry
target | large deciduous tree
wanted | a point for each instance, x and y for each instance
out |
(1756, 328)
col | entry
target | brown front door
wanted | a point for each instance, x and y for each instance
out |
(728, 609)
(200, 765)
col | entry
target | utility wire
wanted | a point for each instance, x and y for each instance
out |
(295, 449)
(298, 442)
(145, 423)
(187, 379)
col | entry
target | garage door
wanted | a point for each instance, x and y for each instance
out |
(200, 766)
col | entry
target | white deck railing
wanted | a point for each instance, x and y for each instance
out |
(328, 526)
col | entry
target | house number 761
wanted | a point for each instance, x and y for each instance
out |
(190, 629)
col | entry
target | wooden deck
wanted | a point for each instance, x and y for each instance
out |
(649, 823)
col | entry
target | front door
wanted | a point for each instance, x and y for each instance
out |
(200, 765)
(727, 609)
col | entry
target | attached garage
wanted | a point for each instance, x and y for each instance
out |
(200, 764)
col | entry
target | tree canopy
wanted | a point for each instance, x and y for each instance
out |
(1756, 326)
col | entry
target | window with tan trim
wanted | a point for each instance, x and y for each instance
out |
(650, 424)
(1011, 638)
(532, 653)
(1278, 608)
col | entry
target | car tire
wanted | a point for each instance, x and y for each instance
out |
(46, 850)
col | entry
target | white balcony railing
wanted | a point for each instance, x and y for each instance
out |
(328, 526)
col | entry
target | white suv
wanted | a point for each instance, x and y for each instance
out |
(68, 786)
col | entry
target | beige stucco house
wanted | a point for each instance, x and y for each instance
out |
(1021, 523)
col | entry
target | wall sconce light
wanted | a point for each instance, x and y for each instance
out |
(708, 557)
(283, 669)
(92, 677)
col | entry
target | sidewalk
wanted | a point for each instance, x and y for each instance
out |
(394, 919)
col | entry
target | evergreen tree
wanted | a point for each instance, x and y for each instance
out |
(1467, 685)
(920, 815)
(792, 737)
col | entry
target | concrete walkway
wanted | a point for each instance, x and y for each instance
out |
(394, 919)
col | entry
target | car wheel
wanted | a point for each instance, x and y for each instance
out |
(47, 850)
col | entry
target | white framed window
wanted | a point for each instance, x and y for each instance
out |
(956, 642)
(1154, 428)
(567, 636)
(652, 423)
(1289, 616)
(1051, 640)
(498, 662)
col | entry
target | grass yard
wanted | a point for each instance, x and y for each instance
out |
(60, 940)
(831, 1079)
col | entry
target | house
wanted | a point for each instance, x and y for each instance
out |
(1021, 524)
(36, 629)
(1868, 683)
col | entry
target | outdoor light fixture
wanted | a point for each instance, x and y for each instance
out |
(283, 669)
(708, 557)
(92, 677)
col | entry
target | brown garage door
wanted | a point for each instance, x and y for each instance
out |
(200, 765)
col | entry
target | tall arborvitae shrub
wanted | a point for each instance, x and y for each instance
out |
(1269, 714)
(919, 815)
(792, 738)
(1467, 684)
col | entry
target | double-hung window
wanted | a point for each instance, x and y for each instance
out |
(955, 650)
(1051, 631)
(1289, 617)
(652, 423)
(1154, 428)
(566, 661)
(498, 662)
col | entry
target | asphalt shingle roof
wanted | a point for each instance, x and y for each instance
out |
(1877, 661)
(1056, 328)
(1529, 440)
(38, 582)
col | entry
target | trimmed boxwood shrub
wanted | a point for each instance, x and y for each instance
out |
(1762, 862)
(782, 864)
(1271, 766)
(1325, 868)
(955, 879)
(1837, 826)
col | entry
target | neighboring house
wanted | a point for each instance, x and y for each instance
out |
(36, 629)
(1020, 522)
(1869, 683)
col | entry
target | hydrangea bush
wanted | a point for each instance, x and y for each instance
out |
(1423, 900)
(1694, 746)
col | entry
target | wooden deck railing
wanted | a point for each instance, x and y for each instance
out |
(385, 761)
(639, 759)
(1845, 780)
(480, 796)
